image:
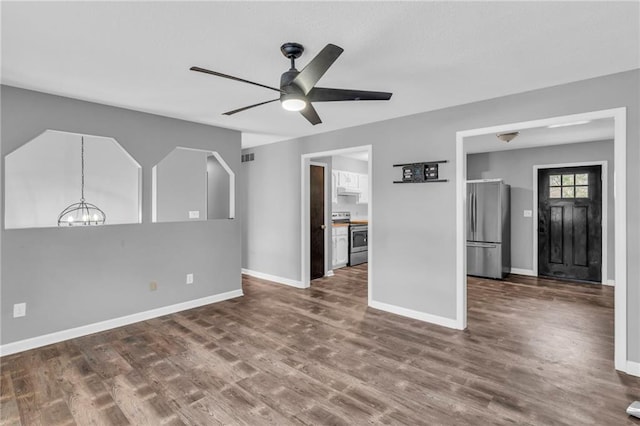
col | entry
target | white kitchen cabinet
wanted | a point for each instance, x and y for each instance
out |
(363, 188)
(334, 186)
(348, 180)
(340, 252)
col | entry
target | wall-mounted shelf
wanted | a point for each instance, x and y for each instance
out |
(424, 172)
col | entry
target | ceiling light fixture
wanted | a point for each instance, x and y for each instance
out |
(573, 123)
(507, 137)
(82, 213)
(293, 102)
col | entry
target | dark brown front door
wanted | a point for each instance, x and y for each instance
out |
(570, 223)
(317, 226)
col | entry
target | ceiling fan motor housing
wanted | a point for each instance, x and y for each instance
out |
(292, 50)
(286, 82)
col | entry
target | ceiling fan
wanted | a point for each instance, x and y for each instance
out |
(297, 88)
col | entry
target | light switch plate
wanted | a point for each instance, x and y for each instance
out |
(528, 213)
(19, 310)
(194, 214)
(189, 278)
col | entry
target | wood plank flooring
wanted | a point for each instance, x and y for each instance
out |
(537, 352)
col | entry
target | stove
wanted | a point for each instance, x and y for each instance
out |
(340, 217)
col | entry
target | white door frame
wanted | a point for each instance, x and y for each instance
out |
(305, 160)
(619, 116)
(325, 213)
(604, 218)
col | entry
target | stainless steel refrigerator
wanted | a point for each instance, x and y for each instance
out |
(488, 228)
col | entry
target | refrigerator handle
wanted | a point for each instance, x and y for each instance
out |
(473, 212)
(470, 212)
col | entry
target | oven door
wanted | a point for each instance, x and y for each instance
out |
(359, 239)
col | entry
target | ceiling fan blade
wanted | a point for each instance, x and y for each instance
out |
(309, 76)
(248, 107)
(230, 77)
(310, 113)
(323, 94)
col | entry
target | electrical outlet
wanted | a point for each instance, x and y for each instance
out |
(528, 213)
(189, 278)
(153, 286)
(19, 310)
(194, 214)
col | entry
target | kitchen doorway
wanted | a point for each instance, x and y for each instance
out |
(305, 212)
(618, 116)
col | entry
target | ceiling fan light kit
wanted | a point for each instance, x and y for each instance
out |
(293, 101)
(297, 88)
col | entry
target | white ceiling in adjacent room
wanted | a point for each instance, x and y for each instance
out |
(596, 130)
(429, 54)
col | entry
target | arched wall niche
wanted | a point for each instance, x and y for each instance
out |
(43, 177)
(191, 185)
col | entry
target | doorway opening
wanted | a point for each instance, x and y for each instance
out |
(466, 140)
(347, 177)
(571, 217)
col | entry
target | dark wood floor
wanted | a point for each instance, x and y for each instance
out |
(536, 352)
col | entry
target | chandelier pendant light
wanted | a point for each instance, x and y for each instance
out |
(82, 213)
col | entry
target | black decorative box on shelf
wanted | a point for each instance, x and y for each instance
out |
(420, 172)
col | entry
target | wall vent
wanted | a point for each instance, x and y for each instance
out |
(247, 157)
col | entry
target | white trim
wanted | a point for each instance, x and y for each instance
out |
(410, 313)
(304, 212)
(633, 368)
(154, 193)
(330, 273)
(274, 278)
(461, 252)
(485, 180)
(620, 195)
(610, 283)
(604, 220)
(72, 333)
(326, 213)
(620, 245)
(527, 272)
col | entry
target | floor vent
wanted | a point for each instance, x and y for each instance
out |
(246, 157)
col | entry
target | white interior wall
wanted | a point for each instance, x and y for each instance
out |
(42, 177)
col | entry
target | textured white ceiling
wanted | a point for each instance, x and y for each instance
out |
(429, 54)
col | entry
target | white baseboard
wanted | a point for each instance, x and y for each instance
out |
(633, 368)
(610, 283)
(527, 272)
(72, 333)
(274, 278)
(422, 316)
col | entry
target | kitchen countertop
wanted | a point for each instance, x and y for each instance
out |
(339, 224)
(360, 222)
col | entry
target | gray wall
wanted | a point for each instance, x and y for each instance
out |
(74, 277)
(181, 186)
(407, 271)
(516, 168)
(217, 190)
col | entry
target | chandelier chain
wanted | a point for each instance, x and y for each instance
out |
(82, 168)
